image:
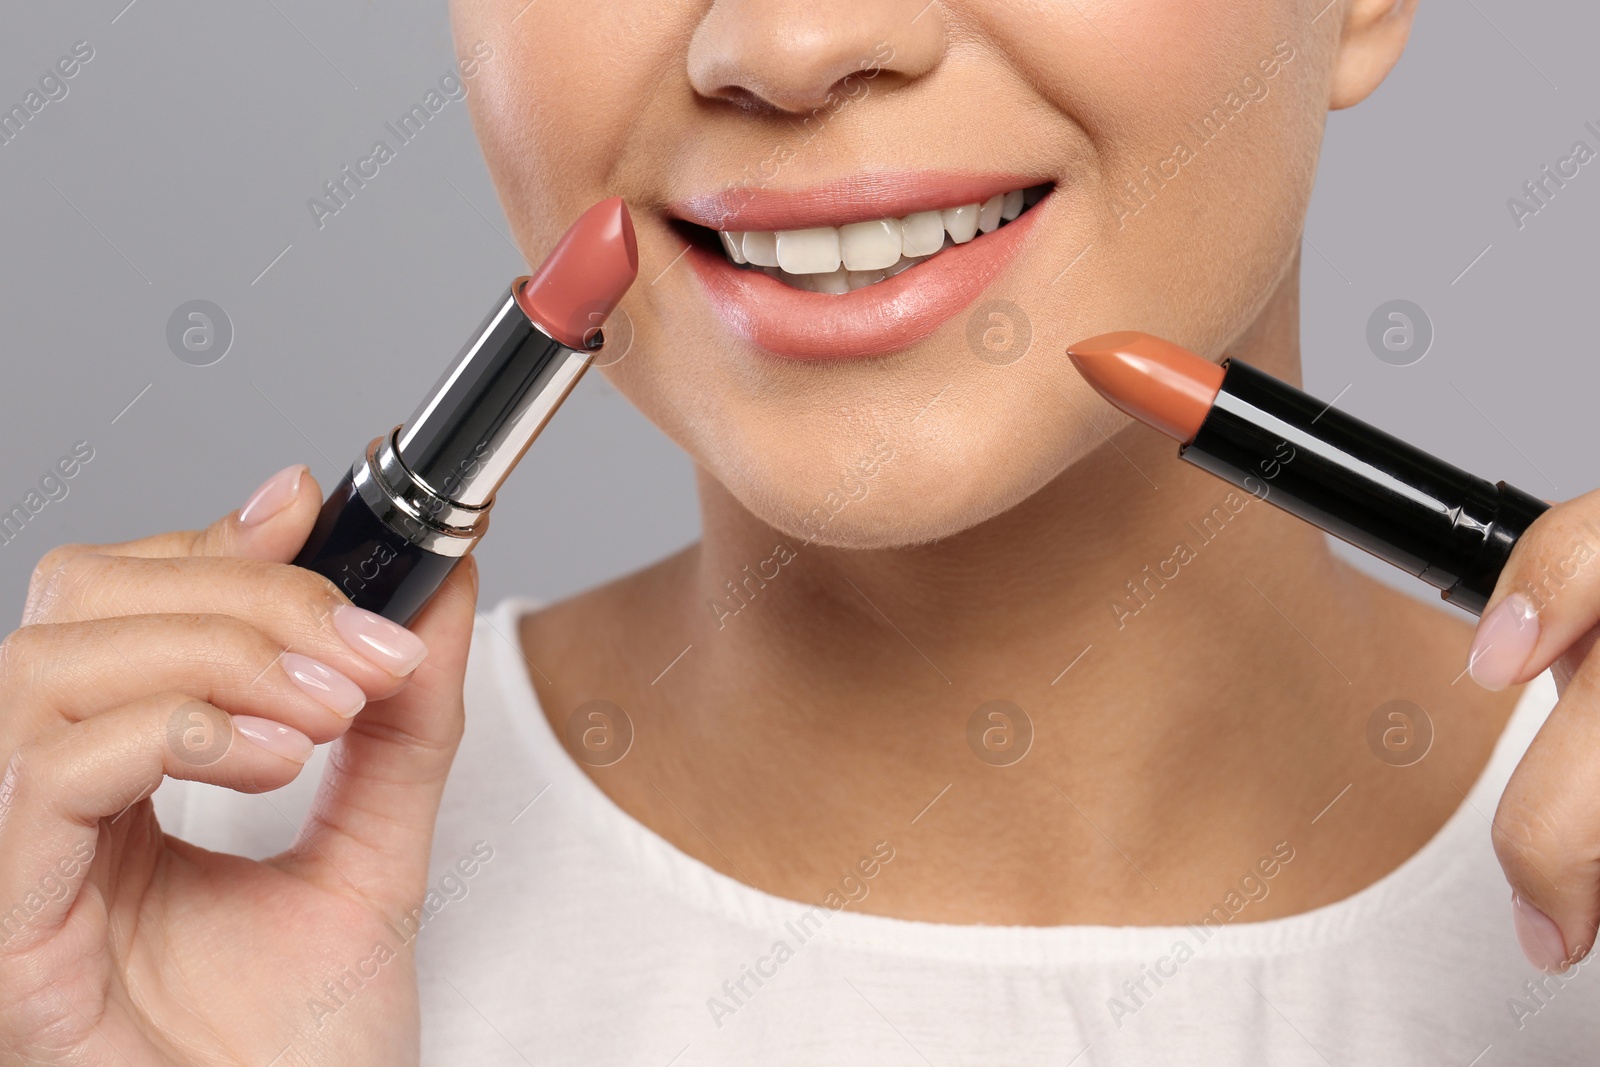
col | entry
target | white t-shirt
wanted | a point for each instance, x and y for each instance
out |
(562, 931)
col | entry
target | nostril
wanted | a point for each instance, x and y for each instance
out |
(798, 58)
(743, 99)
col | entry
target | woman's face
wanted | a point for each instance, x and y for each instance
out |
(1177, 140)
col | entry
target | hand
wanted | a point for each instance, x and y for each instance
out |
(205, 656)
(1543, 615)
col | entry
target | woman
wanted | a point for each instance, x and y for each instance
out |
(974, 730)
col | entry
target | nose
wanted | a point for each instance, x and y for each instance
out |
(791, 55)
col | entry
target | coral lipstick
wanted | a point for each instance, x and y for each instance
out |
(1163, 386)
(419, 499)
(1450, 528)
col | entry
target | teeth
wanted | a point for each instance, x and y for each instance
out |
(761, 248)
(906, 263)
(961, 223)
(922, 233)
(731, 243)
(813, 251)
(827, 259)
(860, 279)
(835, 282)
(989, 213)
(870, 245)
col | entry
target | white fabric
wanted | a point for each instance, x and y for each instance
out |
(584, 938)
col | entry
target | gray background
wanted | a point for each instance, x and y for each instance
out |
(179, 164)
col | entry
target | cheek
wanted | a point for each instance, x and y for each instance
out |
(1187, 178)
(554, 127)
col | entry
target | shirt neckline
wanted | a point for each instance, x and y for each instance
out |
(1397, 897)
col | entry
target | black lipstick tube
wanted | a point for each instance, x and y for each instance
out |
(419, 499)
(1450, 528)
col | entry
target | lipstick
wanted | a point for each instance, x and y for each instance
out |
(1452, 529)
(418, 500)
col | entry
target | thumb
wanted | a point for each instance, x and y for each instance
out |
(372, 823)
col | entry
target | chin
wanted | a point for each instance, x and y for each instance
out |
(889, 495)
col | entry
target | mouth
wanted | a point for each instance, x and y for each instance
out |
(834, 260)
(858, 268)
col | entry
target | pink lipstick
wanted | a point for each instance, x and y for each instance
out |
(419, 499)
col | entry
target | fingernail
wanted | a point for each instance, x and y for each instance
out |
(1539, 936)
(1503, 643)
(275, 494)
(275, 737)
(324, 684)
(388, 644)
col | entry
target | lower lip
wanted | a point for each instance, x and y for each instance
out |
(872, 321)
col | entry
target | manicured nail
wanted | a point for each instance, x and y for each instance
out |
(1539, 936)
(323, 684)
(275, 494)
(275, 737)
(388, 644)
(1504, 641)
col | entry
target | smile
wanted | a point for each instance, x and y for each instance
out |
(858, 268)
(842, 259)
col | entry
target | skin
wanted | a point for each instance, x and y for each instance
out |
(831, 712)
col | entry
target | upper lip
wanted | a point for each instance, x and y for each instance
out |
(858, 198)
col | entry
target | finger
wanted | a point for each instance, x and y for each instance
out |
(63, 673)
(1547, 597)
(375, 810)
(1547, 829)
(58, 788)
(299, 609)
(1567, 664)
(272, 524)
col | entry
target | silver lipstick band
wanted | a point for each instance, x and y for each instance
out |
(432, 479)
(410, 508)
